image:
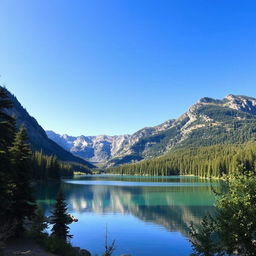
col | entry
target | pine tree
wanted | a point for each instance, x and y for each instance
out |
(39, 224)
(7, 130)
(22, 197)
(61, 219)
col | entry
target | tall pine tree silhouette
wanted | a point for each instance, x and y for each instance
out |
(61, 219)
(23, 201)
(7, 131)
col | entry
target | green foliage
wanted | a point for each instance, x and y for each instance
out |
(37, 136)
(204, 241)
(7, 130)
(23, 204)
(222, 114)
(20, 150)
(55, 242)
(213, 124)
(59, 246)
(233, 229)
(49, 167)
(236, 215)
(213, 161)
(61, 219)
(39, 225)
(19, 168)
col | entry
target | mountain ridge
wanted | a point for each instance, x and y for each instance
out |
(199, 125)
(101, 148)
(37, 136)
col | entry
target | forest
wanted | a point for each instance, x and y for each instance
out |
(209, 162)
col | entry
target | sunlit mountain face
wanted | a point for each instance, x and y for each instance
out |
(207, 122)
(166, 204)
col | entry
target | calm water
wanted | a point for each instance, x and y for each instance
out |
(147, 216)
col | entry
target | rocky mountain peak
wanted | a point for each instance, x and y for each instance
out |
(206, 100)
(101, 148)
(203, 120)
(230, 97)
(242, 103)
(236, 102)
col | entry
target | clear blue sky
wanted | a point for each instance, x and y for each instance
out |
(114, 66)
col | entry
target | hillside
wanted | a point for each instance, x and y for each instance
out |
(207, 122)
(37, 136)
(207, 161)
(102, 148)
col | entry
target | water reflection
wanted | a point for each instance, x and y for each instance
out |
(173, 207)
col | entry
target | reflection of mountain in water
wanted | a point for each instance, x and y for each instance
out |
(172, 207)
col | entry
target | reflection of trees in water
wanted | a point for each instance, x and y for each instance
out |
(46, 194)
(159, 179)
(172, 207)
(174, 218)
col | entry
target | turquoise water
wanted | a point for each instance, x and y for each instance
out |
(146, 216)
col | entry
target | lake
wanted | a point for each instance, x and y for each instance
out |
(146, 216)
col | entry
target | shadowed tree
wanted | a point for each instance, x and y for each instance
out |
(39, 224)
(61, 219)
(23, 205)
(7, 131)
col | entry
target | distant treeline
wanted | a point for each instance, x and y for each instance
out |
(211, 161)
(45, 167)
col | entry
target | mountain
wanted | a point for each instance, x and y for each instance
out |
(99, 149)
(207, 122)
(37, 136)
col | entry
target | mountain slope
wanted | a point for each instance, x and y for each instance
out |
(102, 148)
(37, 136)
(208, 122)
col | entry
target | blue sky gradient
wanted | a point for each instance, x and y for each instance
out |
(114, 66)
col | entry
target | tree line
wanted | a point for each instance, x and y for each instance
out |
(209, 161)
(45, 167)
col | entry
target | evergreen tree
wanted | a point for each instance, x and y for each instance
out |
(7, 130)
(23, 205)
(49, 167)
(39, 224)
(61, 219)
